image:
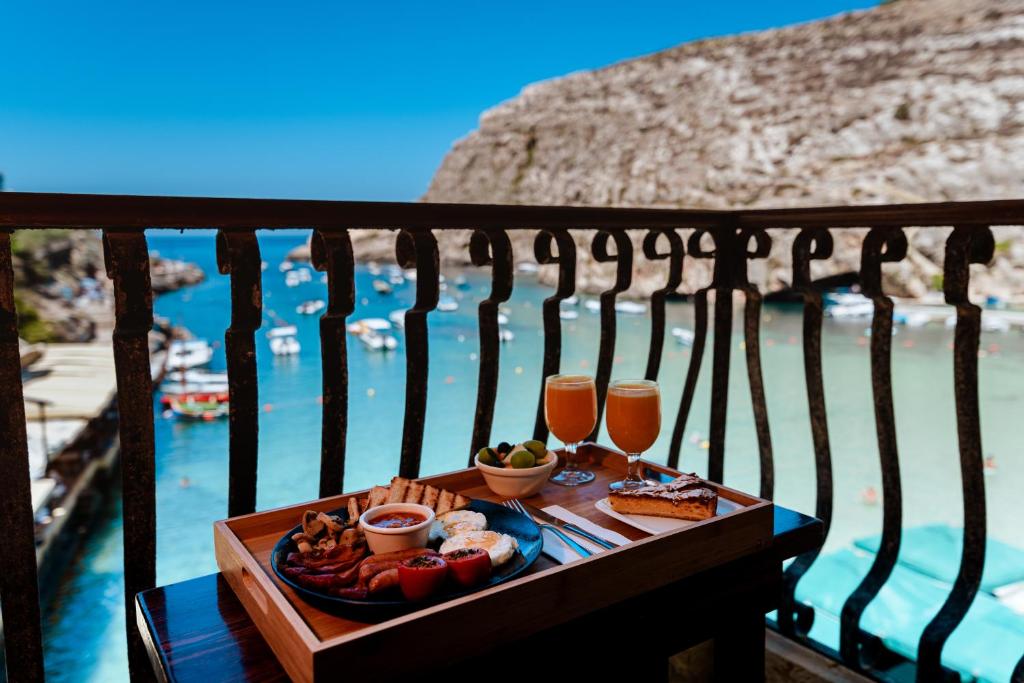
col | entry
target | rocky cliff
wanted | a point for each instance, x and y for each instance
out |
(917, 100)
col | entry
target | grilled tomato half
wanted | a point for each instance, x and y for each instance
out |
(468, 566)
(421, 576)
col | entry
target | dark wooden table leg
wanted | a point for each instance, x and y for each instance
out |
(739, 648)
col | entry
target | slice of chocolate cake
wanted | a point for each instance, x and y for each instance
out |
(686, 497)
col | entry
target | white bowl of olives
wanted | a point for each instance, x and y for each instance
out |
(516, 471)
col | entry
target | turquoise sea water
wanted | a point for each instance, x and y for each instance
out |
(84, 627)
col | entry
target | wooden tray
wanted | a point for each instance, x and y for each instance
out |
(313, 645)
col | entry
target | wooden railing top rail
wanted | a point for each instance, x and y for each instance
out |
(51, 210)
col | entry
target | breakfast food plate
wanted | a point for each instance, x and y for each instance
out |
(511, 559)
(315, 644)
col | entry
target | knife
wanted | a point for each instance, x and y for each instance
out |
(548, 518)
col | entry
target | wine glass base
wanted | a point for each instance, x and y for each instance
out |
(573, 477)
(629, 484)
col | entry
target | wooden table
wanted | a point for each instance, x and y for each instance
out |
(197, 630)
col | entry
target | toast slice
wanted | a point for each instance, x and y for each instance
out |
(378, 496)
(430, 496)
(414, 493)
(402, 490)
(399, 486)
(444, 502)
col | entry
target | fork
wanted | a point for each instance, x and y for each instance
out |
(514, 504)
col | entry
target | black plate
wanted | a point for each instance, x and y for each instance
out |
(499, 519)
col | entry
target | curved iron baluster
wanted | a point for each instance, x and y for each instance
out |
(726, 259)
(700, 336)
(417, 249)
(238, 255)
(623, 258)
(882, 245)
(127, 263)
(331, 252)
(19, 582)
(752, 346)
(810, 244)
(566, 260)
(966, 245)
(489, 247)
(675, 278)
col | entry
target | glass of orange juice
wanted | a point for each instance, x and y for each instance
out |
(633, 420)
(570, 409)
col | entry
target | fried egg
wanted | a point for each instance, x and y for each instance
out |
(458, 522)
(501, 547)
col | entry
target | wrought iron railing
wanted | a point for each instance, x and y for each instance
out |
(730, 239)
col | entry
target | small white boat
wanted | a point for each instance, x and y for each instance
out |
(527, 267)
(850, 311)
(368, 325)
(505, 335)
(631, 307)
(179, 389)
(374, 268)
(311, 307)
(684, 336)
(502, 319)
(592, 305)
(197, 377)
(410, 275)
(396, 279)
(447, 304)
(397, 318)
(188, 353)
(283, 341)
(375, 341)
(848, 306)
(381, 287)
(571, 300)
(264, 265)
(292, 279)
(285, 266)
(569, 314)
(461, 282)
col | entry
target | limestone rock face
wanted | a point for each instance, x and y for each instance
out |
(917, 100)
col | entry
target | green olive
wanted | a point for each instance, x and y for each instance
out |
(488, 457)
(520, 460)
(538, 448)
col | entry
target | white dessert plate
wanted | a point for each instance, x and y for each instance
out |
(657, 525)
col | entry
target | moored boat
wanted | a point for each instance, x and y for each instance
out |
(359, 327)
(375, 341)
(188, 353)
(283, 341)
(310, 307)
(684, 336)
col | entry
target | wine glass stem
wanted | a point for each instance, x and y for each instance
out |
(570, 456)
(633, 467)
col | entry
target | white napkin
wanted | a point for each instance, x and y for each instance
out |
(560, 552)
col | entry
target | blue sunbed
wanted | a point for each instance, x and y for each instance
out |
(984, 647)
(934, 550)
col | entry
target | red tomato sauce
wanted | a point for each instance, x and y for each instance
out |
(397, 520)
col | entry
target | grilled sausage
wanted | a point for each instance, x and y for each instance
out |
(384, 580)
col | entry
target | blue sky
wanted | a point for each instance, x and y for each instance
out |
(321, 100)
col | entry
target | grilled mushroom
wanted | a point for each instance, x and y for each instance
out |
(312, 525)
(333, 524)
(303, 542)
